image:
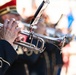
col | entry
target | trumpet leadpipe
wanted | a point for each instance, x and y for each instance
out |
(58, 42)
(26, 25)
(22, 23)
(46, 38)
(35, 35)
(42, 37)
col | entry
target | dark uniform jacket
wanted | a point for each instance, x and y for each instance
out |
(18, 67)
(37, 63)
(44, 65)
(7, 56)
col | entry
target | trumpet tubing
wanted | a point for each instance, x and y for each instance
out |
(34, 21)
(24, 24)
(57, 41)
(40, 38)
(30, 45)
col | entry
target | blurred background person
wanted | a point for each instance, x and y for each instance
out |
(69, 57)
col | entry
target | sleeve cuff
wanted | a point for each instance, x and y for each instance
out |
(10, 54)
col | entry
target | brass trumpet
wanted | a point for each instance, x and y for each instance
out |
(54, 33)
(40, 38)
(58, 42)
(30, 45)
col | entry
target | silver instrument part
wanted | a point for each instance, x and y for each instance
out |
(40, 38)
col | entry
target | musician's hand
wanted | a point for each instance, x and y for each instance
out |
(11, 30)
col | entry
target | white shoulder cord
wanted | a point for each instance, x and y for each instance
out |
(3, 61)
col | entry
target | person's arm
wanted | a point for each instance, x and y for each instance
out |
(7, 56)
(7, 51)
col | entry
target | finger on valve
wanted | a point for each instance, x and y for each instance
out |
(11, 31)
